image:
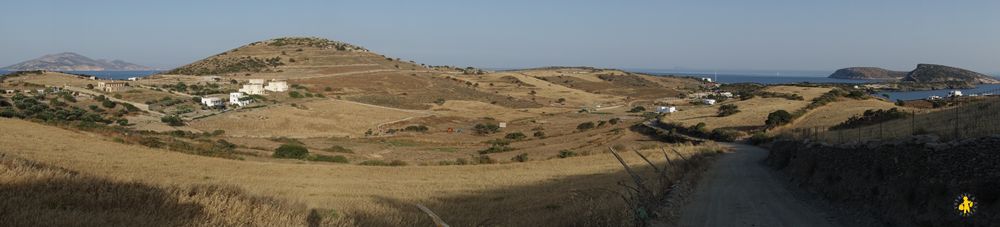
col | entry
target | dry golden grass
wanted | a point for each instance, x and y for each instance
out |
(473, 109)
(53, 79)
(316, 118)
(573, 191)
(837, 112)
(807, 93)
(980, 117)
(753, 113)
(39, 195)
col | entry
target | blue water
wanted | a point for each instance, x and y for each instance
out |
(912, 95)
(114, 75)
(763, 77)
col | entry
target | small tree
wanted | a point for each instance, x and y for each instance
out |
(637, 109)
(778, 118)
(539, 134)
(291, 150)
(585, 126)
(172, 120)
(728, 109)
(523, 157)
(484, 129)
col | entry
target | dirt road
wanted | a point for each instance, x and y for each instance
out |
(740, 191)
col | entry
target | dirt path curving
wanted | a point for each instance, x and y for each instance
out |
(738, 190)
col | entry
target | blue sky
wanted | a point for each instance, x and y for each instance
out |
(711, 35)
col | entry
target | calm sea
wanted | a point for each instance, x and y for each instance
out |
(115, 75)
(791, 77)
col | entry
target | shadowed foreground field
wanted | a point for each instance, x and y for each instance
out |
(560, 192)
(40, 195)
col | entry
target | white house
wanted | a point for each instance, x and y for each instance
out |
(955, 93)
(277, 86)
(212, 101)
(237, 98)
(706, 79)
(726, 94)
(666, 109)
(255, 87)
(133, 78)
(933, 97)
(708, 101)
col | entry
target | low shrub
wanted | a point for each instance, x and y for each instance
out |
(523, 157)
(291, 150)
(566, 154)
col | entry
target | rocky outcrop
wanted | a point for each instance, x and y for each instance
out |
(930, 73)
(867, 73)
(74, 62)
(911, 182)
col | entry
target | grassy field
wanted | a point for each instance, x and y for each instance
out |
(837, 112)
(571, 191)
(315, 118)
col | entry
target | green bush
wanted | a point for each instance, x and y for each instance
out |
(585, 126)
(484, 129)
(778, 118)
(637, 109)
(515, 136)
(172, 120)
(295, 94)
(728, 109)
(566, 154)
(615, 121)
(290, 150)
(539, 134)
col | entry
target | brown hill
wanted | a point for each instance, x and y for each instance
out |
(302, 55)
(867, 73)
(930, 73)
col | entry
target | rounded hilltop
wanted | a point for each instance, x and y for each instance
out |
(294, 55)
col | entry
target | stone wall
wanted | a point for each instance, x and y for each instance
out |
(910, 182)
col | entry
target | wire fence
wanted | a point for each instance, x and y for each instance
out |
(974, 117)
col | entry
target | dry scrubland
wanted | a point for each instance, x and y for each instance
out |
(979, 117)
(317, 118)
(753, 112)
(571, 191)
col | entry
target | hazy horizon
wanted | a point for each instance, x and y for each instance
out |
(674, 35)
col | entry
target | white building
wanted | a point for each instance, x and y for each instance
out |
(237, 98)
(277, 86)
(666, 109)
(955, 93)
(212, 101)
(706, 79)
(133, 78)
(933, 97)
(726, 94)
(255, 87)
(708, 101)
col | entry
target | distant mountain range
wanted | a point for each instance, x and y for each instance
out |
(70, 61)
(924, 73)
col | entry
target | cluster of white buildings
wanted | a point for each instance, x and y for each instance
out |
(666, 109)
(242, 98)
(257, 87)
